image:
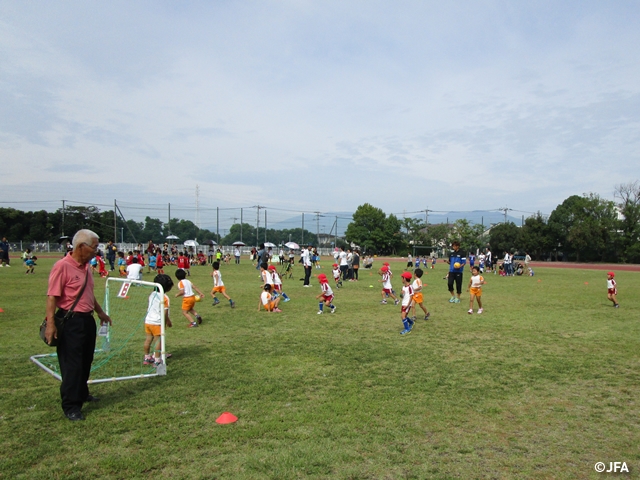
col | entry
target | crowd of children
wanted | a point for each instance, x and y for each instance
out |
(272, 291)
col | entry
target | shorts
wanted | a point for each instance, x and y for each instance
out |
(152, 329)
(475, 291)
(406, 308)
(188, 303)
(336, 279)
(269, 306)
(220, 289)
(612, 291)
(327, 298)
(417, 297)
(386, 290)
(277, 288)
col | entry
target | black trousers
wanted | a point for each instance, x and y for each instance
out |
(307, 274)
(344, 269)
(76, 344)
(457, 277)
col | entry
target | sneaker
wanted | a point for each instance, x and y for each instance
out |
(617, 305)
(333, 310)
(413, 319)
(148, 361)
(470, 311)
(426, 317)
(157, 363)
(480, 310)
(216, 301)
(405, 332)
(396, 302)
(193, 325)
(277, 310)
(287, 300)
(457, 300)
(452, 299)
(232, 303)
(319, 312)
(411, 324)
(199, 318)
(384, 302)
(306, 286)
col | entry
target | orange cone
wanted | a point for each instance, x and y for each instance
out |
(226, 417)
(1, 310)
(586, 283)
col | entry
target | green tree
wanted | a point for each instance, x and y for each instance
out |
(468, 235)
(367, 228)
(584, 228)
(535, 237)
(503, 237)
(152, 231)
(415, 231)
(628, 196)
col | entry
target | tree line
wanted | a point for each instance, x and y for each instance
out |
(582, 228)
(43, 226)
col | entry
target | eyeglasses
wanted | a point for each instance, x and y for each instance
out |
(92, 247)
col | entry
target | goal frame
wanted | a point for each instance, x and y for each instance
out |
(118, 283)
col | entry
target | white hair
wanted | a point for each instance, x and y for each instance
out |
(84, 236)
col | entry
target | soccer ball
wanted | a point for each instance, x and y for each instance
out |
(456, 265)
(198, 298)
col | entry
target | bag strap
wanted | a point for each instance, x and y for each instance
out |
(70, 312)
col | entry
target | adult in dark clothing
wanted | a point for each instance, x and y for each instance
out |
(4, 253)
(261, 256)
(356, 264)
(111, 252)
(77, 337)
(455, 273)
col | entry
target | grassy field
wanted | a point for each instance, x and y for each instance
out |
(544, 384)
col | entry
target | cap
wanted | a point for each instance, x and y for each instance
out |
(406, 275)
(384, 268)
(335, 265)
(322, 278)
(611, 273)
(386, 264)
(271, 267)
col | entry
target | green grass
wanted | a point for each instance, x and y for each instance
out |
(543, 385)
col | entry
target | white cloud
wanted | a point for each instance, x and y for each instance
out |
(322, 106)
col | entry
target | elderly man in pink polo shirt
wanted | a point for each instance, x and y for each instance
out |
(77, 335)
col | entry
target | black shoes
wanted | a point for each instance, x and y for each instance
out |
(74, 416)
(91, 398)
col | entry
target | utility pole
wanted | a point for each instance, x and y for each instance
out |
(241, 224)
(505, 210)
(198, 206)
(218, 223)
(265, 225)
(258, 207)
(115, 222)
(317, 226)
(302, 229)
(63, 217)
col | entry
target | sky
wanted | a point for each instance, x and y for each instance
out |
(318, 106)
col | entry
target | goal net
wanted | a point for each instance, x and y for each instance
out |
(119, 350)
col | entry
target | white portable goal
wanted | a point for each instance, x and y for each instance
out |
(119, 351)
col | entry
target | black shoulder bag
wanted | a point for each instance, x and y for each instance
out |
(60, 320)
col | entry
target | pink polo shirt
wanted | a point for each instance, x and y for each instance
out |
(65, 281)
